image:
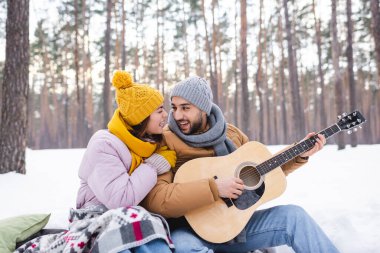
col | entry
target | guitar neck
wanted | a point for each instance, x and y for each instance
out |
(294, 151)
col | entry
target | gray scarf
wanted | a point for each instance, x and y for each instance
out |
(214, 137)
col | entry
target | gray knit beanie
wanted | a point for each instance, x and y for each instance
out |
(196, 90)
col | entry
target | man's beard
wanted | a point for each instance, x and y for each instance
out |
(195, 127)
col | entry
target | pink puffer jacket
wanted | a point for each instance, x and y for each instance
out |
(104, 177)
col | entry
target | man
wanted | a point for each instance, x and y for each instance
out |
(197, 128)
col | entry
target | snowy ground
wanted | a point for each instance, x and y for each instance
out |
(340, 189)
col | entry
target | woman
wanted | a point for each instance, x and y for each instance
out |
(121, 164)
(119, 168)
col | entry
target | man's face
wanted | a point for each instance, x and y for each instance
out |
(189, 118)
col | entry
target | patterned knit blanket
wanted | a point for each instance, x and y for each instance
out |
(97, 229)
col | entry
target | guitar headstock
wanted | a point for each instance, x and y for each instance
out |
(350, 121)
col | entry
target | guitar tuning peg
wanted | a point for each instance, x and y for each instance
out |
(349, 132)
(339, 117)
(355, 129)
(360, 127)
(344, 114)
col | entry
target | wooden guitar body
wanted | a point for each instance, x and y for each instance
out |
(222, 221)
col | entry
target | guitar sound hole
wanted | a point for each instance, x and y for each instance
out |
(250, 176)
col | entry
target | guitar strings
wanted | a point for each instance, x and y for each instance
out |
(250, 173)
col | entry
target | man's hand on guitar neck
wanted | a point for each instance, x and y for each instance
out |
(321, 141)
(229, 187)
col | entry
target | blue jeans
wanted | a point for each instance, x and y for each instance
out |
(271, 227)
(154, 246)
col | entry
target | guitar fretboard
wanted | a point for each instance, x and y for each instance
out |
(294, 151)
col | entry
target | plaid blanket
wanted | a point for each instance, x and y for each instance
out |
(97, 229)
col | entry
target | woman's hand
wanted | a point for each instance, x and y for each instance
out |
(162, 160)
(169, 155)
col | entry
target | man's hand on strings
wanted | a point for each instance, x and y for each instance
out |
(230, 187)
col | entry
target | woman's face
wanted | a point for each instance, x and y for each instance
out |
(157, 121)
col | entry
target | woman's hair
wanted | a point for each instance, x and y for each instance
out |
(139, 131)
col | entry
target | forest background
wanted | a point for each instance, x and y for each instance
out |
(278, 69)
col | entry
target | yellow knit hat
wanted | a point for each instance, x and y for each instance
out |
(136, 101)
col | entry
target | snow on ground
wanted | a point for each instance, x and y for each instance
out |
(340, 189)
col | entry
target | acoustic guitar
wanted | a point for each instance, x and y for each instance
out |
(261, 173)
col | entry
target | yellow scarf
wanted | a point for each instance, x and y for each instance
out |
(139, 149)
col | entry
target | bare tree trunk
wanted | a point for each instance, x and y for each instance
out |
(48, 133)
(32, 136)
(377, 112)
(237, 108)
(1, 92)
(350, 61)
(123, 51)
(55, 113)
(321, 96)
(200, 69)
(338, 78)
(244, 69)
(275, 95)
(14, 118)
(47, 120)
(76, 49)
(66, 102)
(106, 86)
(45, 134)
(90, 102)
(223, 100)
(208, 49)
(115, 31)
(298, 114)
(373, 110)
(267, 108)
(283, 101)
(217, 94)
(83, 124)
(136, 56)
(158, 45)
(186, 56)
(80, 102)
(365, 105)
(376, 35)
(284, 114)
(163, 76)
(88, 125)
(259, 81)
(376, 32)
